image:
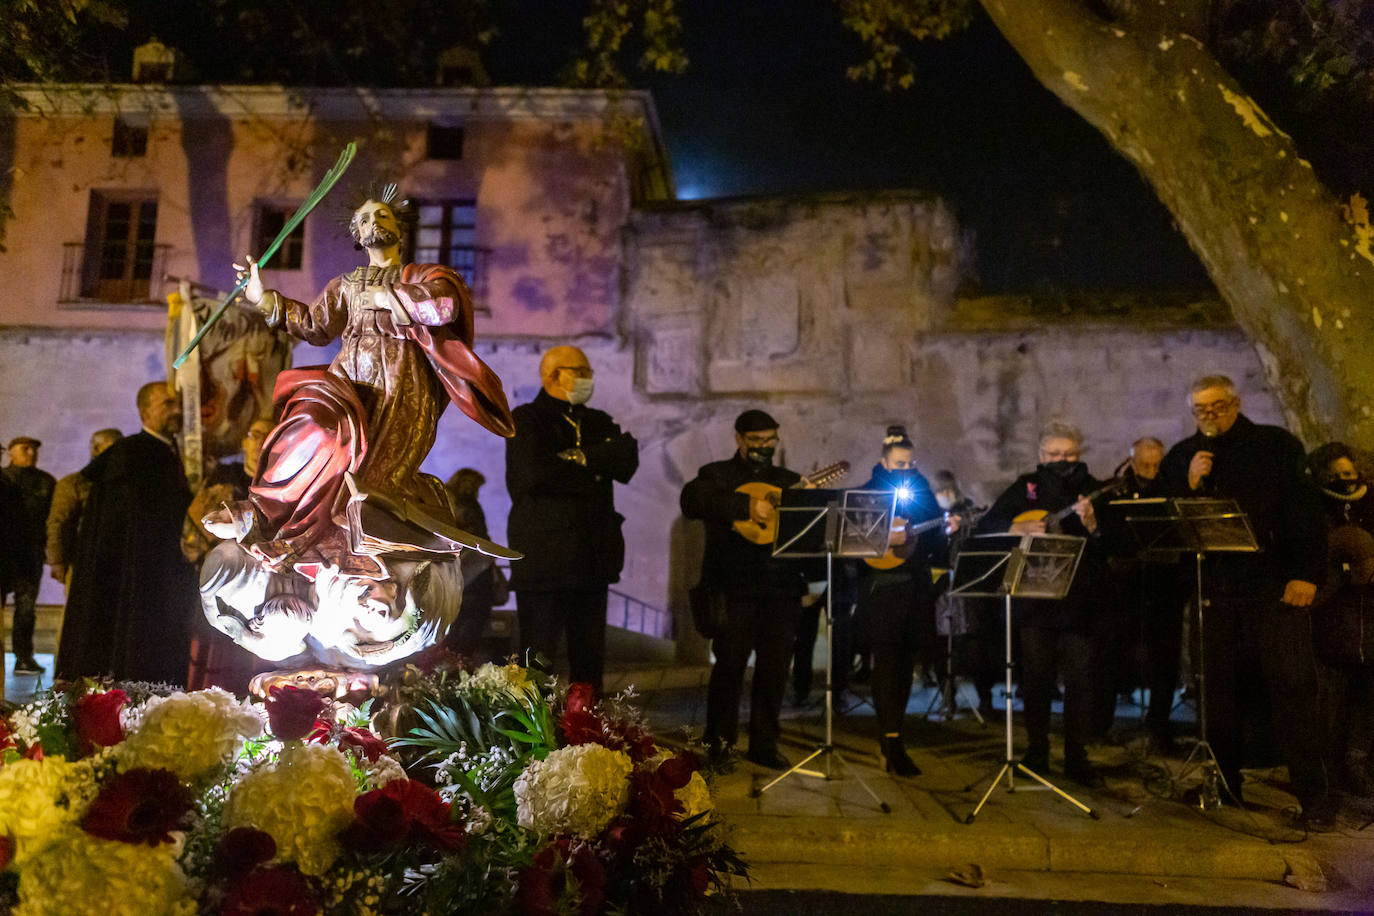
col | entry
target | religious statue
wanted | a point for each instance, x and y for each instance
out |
(345, 557)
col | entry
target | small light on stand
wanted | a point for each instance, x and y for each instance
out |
(904, 494)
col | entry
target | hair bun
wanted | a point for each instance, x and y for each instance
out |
(896, 435)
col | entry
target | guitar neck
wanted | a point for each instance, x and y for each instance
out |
(1055, 518)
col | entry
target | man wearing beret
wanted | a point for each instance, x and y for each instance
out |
(762, 595)
(33, 489)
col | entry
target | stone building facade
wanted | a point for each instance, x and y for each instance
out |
(839, 314)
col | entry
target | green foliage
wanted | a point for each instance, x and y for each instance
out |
(885, 25)
(613, 27)
(40, 41)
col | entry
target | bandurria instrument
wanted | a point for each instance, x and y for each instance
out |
(1052, 519)
(766, 532)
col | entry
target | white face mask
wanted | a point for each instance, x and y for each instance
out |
(581, 391)
(944, 501)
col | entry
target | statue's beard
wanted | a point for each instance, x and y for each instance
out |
(379, 238)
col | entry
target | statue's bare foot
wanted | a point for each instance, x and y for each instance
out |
(327, 682)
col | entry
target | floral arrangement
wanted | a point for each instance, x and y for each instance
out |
(495, 792)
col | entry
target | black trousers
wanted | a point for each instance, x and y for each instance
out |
(545, 616)
(1148, 613)
(900, 621)
(1046, 655)
(1253, 643)
(25, 613)
(761, 623)
(841, 655)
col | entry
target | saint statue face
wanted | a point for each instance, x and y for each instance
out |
(374, 225)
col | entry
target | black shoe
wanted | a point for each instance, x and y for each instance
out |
(1037, 762)
(27, 666)
(1162, 745)
(719, 754)
(1319, 816)
(896, 760)
(1079, 770)
(768, 757)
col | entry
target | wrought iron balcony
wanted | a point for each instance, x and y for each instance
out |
(104, 274)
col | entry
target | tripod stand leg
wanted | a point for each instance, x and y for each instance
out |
(1006, 769)
(796, 768)
(1058, 791)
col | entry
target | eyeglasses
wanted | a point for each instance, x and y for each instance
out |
(579, 371)
(760, 441)
(1214, 409)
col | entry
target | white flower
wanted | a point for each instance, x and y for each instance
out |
(509, 679)
(384, 770)
(577, 789)
(187, 733)
(39, 796)
(76, 874)
(695, 797)
(303, 801)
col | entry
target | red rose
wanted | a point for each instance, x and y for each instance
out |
(653, 803)
(581, 697)
(271, 892)
(639, 744)
(96, 718)
(363, 741)
(677, 770)
(582, 727)
(6, 738)
(591, 879)
(541, 884)
(6, 851)
(402, 812)
(140, 806)
(241, 850)
(291, 712)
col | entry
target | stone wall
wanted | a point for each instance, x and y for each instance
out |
(837, 315)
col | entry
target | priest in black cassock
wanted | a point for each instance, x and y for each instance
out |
(133, 594)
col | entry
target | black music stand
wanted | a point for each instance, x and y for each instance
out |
(1010, 566)
(1199, 527)
(831, 523)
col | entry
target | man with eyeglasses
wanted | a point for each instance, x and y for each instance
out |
(762, 595)
(560, 465)
(1257, 625)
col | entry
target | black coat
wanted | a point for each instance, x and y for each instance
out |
(562, 515)
(731, 563)
(1263, 469)
(1041, 489)
(133, 596)
(920, 553)
(32, 494)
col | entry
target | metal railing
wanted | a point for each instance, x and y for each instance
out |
(138, 284)
(629, 613)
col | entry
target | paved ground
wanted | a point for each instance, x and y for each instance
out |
(829, 837)
(815, 843)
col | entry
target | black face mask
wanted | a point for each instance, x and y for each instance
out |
(1065, 470)
(759, 455)
(1345, 487)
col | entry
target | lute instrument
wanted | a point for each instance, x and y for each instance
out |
(1052, 519)
(764, 533)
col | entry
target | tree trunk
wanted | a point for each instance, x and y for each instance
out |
(1279, 248)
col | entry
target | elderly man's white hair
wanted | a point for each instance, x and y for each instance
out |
(1213, 381)
(1059, 429)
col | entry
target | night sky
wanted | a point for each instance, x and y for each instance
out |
(765, 108)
